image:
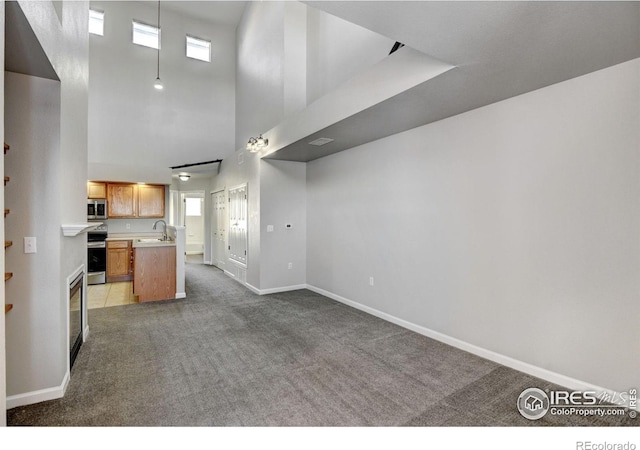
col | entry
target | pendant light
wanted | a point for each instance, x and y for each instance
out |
(158, 82)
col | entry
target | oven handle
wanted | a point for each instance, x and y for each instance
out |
(96, 244)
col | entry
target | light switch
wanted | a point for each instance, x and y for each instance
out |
(30, 245)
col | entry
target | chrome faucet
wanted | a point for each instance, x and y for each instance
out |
(164, 228)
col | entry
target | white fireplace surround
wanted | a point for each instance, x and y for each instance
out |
(52, 393)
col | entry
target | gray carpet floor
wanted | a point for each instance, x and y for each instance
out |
(227, 357)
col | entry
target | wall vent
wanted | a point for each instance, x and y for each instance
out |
(320, 141)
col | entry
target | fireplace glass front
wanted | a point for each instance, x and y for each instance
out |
(75, 316)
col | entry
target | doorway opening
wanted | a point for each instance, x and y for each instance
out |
(192, 218)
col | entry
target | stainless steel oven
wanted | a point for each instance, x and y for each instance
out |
(97, 255)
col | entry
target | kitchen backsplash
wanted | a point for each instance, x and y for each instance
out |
(135, 225)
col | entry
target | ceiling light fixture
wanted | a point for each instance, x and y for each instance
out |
(256, 144)
(158, 84)
(184, 177)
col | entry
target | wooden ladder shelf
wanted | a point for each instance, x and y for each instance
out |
(7, 275)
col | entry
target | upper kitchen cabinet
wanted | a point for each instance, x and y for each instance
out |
(121, 200)
(150, 200)
(130, 200)
(96, 190)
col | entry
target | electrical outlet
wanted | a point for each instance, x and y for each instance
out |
(370, 281)
(128, 226)
(290, 265)
(269, 228)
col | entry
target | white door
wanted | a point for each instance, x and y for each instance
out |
(218, 229)
(238, 224)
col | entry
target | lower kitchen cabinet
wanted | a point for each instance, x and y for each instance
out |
(155, 273)
(119, 266)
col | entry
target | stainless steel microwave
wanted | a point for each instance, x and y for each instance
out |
(96, 209)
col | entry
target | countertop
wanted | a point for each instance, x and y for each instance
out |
(142, 239)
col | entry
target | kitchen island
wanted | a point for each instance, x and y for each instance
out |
(154, 269)
(157, 264)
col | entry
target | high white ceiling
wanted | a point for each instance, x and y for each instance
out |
(500, 49)
(214, 11)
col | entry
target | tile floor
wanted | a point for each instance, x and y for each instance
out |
(118, 294)
(110, 294)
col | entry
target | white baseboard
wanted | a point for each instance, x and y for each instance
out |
(229, 274)
(181, 295)
(530, 369)
(207, 262)
(42, 395)
(296, 287)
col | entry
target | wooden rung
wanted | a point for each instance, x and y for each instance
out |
(6, 147)
(6, 180)
(8, 308)
(7, 275)
(8, 244)
(6, 211)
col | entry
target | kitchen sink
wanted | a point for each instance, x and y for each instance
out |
(153, 242)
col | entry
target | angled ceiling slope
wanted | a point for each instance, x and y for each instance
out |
(339, 113)
(499, 50)
(23, 52)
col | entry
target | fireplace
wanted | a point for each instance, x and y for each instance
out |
(76, 306)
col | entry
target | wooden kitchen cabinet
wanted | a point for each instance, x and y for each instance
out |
(96, 190)
(150, 201)
(135, 201)
(119, 255)
(121, 200)
(155, 273)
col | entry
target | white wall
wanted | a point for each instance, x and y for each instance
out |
(259, 71)
(259, 106)
(131, 124)
(338, 50)
(50, 158)
(277, 61)
(513, 227)
(34, 329)
(283, 201)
